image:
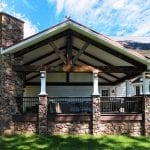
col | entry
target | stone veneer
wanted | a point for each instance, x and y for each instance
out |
(42, 120)
(133, 128)
(57, 128)
(147, 115)
(11, 84)
(25, 127)
(11, 30)
(96, 117)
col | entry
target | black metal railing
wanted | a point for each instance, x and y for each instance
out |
(79, 105)
(121, 104)
(68, 105)
(27, 104)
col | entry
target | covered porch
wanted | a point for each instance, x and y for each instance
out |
(60, 75)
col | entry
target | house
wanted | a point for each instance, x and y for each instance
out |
(52, 82)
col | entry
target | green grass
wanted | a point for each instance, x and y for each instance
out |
(73, 142)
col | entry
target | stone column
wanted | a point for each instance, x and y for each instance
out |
(147, 115)
(11, 85)
(42, 120)
(43, 104)
(96, 115)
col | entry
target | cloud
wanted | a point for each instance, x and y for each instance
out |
(3, 6)
(123, 17)
(28, 4)
(29, 28)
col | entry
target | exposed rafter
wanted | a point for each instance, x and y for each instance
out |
(39, 58)
(48, 63)
(86, 63)
(69, 47)
(40, 44)
(80, 52)
(108, 50)
(57, 51)
(80, 68)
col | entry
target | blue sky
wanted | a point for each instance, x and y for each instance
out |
(109, 17)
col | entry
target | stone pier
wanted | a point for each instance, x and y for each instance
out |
(42, 120)
(96, 115)
(12, 84)
(147, 115)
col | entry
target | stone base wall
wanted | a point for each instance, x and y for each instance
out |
(69, 128)
(133, 128)
(25, 127)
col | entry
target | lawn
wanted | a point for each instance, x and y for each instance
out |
(72, 142)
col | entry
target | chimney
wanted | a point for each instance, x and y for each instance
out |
(11, 30)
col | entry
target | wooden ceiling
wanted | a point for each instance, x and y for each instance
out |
(73, 48)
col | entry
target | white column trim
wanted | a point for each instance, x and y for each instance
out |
(43, 83)
(95, 83)
(128, 88)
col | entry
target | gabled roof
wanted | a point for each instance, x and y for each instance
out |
(72, 25)
(53, 46)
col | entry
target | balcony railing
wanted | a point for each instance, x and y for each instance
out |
(67, 105)
(80, 105)
(121, 104)
(27, 104)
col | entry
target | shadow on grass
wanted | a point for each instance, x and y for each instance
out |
(74, 142)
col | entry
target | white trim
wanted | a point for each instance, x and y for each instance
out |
(95, 83)
(85, 31)
(37, 38)
(43, 83)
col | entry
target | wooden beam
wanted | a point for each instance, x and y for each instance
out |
(107, 49)
(84, 47)
(93, 57)
(40, 57)
(69, 47)
(48, 63)
(57, 51)
(104, 69)
(66, 84)
(126, 78)
(111, 75)
(39, 44)
(100, 76)
(97, 59)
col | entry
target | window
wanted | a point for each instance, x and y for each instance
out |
(137, 90)
(105, 92)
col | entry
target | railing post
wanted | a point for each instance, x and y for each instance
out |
(43, 106)
(122, 105)
(96, 115)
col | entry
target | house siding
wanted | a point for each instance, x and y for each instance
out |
(61, 91)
